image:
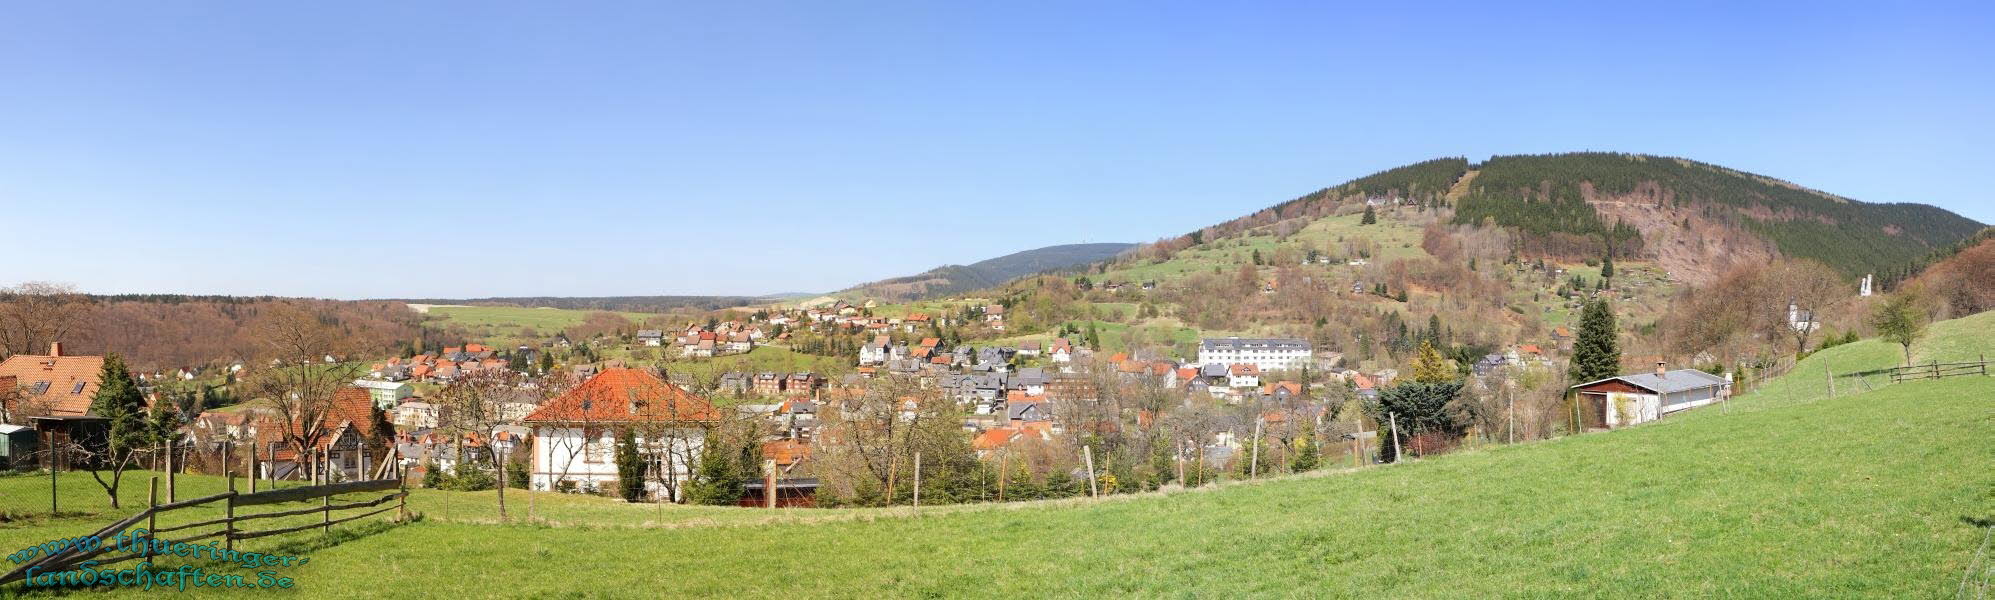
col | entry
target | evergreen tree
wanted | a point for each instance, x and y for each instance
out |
(630, 467)
(1257, 256)
(1371, 216)
(719, 479)
(1596, 353)
(1429, 367)
(1305, 450)
(119, 400)
(1607, 266)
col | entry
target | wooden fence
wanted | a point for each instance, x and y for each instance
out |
(73, 555)
(1937, 370)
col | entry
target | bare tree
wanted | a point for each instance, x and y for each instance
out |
(473, 405)
(291, 375)
(35, 314)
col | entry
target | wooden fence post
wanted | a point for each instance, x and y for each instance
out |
(327, 455)
(229, 504)
(1398, 454)
(172, 463)
(152, 513)
(917, 479)
(252, 468)
(1004, 461)
(1254, 456)
(1832, 380)
(1087, 452)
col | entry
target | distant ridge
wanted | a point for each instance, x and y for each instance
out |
(955, 279)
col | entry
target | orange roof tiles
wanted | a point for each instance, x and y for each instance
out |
(623, 395)
(62, 373)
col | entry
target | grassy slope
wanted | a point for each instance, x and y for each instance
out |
(1786, 494)
(1855, 496)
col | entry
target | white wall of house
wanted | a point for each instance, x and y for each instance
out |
(564, 452)
(1639, 408)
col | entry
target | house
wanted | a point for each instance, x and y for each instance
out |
(768, 384)
(54, 384)
(1801, 320)
(994, 316)
(576, 433)
(1643, 397)
(1243, 375)
(651, 337)
(1061, 351)
(386, 394)
(875, 352)
(354, 436)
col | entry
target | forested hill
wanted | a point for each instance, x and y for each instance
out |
(1586, 194)
(1694, 218)
(954, 279)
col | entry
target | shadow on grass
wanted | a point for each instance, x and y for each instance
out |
(303, 546)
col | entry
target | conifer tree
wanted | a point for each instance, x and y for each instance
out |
(1429, 367)
(1596, 353)
(1371, 216)
(630, 467)
(119, 400)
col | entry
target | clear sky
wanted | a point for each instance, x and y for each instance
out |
(435, 149)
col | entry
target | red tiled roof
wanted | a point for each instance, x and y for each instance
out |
(785, 452)
(62, 374)
(995, 438)
(622, 395)
(1245, 369)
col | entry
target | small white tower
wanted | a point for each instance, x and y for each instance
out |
(1865, 290)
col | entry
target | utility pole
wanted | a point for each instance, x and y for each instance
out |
(769, 483)
(1513, 418)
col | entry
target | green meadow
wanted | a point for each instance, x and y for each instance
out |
(1787, 492)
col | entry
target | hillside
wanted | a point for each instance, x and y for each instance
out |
(1787, 493)
(1585, 194)
(955, 279)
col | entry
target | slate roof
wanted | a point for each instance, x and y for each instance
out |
(1667, 383)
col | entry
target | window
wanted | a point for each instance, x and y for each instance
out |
(79, 387)
(40, 388)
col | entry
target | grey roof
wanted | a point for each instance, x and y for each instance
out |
(650, 333)
(1213, 370)
(1668, 383)
(1234, 343)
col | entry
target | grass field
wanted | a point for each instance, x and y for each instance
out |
(1788, 493)
(504, 324)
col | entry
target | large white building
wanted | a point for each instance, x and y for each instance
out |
(1266, 354)
(574, 436)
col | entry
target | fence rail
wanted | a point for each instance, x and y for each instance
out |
(73, 555)
(1937, 370)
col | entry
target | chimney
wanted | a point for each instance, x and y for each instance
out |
(55, 348)
(1660, 370)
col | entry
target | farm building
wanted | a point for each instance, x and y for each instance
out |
(1643, 397)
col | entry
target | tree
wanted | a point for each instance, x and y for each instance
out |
(1900, 320)
(1429, 367)
(1596, 351)
(630, 467)
(1415, 407)
(297, 385)
(119, 400)
(35, 314)
(728, 460)
(1306, 454)
(1607, 266)
(1371, 216)
(471, 406)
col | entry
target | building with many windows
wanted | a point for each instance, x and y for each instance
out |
(1266, 354)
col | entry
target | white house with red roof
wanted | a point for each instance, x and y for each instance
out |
(575, 435)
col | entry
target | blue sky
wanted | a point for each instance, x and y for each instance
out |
(439, 149)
